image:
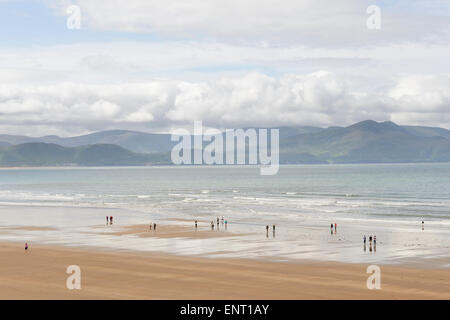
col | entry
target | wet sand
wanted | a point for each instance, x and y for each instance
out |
(174, 231)
(399, 243)
(40, 274)
(28, 228)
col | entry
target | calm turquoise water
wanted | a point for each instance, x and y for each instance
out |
(388, 201)
(405, 192)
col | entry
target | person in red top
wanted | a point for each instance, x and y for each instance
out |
(111, 220)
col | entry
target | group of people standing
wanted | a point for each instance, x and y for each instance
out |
(267, 231)
(223, 221)
(154, 226)
(372, 239)
(109, 220)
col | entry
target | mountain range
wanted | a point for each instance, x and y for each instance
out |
(368, 142)
(364, 142)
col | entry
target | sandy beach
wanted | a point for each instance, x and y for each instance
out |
(171, 231)
(237, 260)
(40, 274)
(194, 270)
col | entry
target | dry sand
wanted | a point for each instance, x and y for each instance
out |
(40, 273)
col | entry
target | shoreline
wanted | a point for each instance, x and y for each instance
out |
(81, 227)
(40, 274)
(257, 166)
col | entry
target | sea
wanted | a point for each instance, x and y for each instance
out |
(68, 207)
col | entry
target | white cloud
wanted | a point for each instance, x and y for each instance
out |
(422, 93)
(313, 22)
(133, 61)
(319, 98)
(232, 64)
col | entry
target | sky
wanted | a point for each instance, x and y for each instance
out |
(157, 66)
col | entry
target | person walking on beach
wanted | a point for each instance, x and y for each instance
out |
(150, 226)
(107, 220)
(26, 246)
(374, 240)
(217, 220)
(212, 225)
(195, 224)
(154, 227)
(226, 224)
(335, 227)
(364, 239)
(111, 220)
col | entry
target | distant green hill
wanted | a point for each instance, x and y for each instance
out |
(132, 140)
(47, 154)
(428, 131)
(139, 142)
(367, 142)
(4, 144)
(364, 142)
